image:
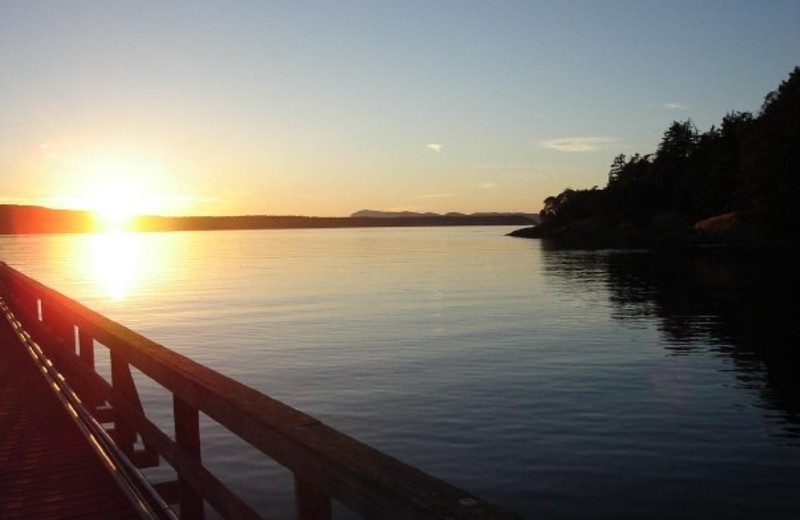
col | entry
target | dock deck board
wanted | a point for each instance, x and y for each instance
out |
(47, 468)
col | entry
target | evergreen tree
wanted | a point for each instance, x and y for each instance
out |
(771, 158)
(748, 165)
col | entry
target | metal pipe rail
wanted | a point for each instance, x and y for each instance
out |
(327, 464)
(143, 497)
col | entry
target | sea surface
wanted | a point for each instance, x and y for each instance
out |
(557, 384)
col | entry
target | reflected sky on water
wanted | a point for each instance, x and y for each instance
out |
(561, 384)
(736, 304)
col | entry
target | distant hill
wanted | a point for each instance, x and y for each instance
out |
(368, 213)
(23, 220)
(19, 220)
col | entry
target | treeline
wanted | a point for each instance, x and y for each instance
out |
(19, 220)
(23, 220)
(152, 223)
(748, 165)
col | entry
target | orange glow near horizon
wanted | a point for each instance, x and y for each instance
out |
(114, 205)
(116, 190)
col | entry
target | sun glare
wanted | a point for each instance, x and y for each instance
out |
(115, 203)
(122, 265)
(116, 262)
(118, 188)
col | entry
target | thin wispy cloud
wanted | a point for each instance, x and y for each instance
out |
(486, 185)
(578, 144)
(51, 152)
(435, 147)
(674, 105)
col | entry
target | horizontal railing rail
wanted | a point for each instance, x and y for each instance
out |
(326, 464)
(147, 502)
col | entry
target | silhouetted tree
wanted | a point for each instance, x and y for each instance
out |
(717, 165)
(750, 165)
(631, 187)
(771, 158)
(571, 205)
(672, 166)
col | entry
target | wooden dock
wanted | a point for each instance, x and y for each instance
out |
(48, 470)
(54, 339)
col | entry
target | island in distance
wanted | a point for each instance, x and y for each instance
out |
(368, 213)
(19, 220)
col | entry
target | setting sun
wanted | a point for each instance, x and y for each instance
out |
(114, 204)
(118, 187)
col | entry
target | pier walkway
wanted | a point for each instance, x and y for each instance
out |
(48, 470)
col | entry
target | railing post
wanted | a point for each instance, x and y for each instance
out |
(86, 348)
(310, 502)
(86, 356)
(124, 388)
(62, 328)
(187, 436)
(65, 331)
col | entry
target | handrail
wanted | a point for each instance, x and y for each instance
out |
(139, 491)
(327, 464)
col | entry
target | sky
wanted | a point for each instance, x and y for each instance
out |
(326, 108)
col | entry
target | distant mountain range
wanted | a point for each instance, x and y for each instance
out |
(19, 220)
(368, 213)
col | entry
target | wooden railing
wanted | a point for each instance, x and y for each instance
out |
(326, 464)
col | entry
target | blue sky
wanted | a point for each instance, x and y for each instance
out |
(325, 108)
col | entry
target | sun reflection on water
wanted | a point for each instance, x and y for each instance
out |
(121, 264)
(116, 262)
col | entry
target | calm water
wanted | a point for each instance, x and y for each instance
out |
(557, 384)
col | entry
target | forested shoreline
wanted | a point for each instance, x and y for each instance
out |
(23, 220)
(735, 184)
